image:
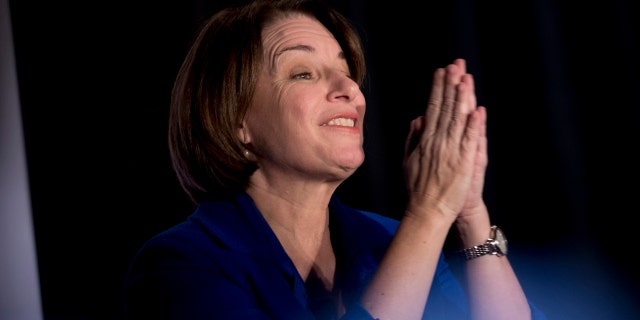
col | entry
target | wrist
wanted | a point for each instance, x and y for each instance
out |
(472, 229)
(478, 209)
(496, 244)
(431, 211)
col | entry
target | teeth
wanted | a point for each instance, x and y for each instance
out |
(341, 122)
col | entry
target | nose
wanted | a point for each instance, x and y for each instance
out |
(343, 87)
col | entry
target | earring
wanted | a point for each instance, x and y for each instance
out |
(246, 153)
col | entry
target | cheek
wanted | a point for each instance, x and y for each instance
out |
(258, 125)
(281, 110)
(268, 124)
(261, 112)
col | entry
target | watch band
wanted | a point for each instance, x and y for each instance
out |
(495, 245)
(476, 251)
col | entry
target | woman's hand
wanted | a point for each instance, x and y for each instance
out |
(475, 203)
(445, 151)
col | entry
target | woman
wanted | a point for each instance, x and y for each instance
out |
(266, 122)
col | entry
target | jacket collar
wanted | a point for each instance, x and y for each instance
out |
(358, 239)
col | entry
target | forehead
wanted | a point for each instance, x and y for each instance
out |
(293, 30)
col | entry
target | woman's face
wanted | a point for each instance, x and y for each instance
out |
(306, 117)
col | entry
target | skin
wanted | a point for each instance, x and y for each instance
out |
(305, 130)
(445, 162)
(304, 83)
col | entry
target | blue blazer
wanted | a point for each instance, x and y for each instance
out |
(225, 262)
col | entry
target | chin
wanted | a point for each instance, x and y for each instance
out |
(352, 160)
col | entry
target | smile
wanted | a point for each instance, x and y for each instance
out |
(344, 122)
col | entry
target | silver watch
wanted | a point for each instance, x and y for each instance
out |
(496, 245)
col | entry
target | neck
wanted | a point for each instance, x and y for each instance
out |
(294, 205)
(300, 220)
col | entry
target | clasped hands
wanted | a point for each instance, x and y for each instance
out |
(445, 155)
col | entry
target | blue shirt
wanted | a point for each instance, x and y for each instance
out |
(225, 262)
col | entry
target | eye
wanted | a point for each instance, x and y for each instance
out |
(302, 76)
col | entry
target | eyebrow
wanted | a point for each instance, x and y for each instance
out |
(300, 47)
(303, 47)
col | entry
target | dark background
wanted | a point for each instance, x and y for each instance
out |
(560, 82)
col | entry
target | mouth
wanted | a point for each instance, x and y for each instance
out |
(342, 122)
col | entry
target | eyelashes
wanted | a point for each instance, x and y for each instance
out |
(309, 76)
(302, 76)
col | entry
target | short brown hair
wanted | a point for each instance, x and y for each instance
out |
(215, 85)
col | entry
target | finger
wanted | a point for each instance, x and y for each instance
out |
(471, 138)
(462, 65)
(437, 92)
(442, 101)
(413, 137)
(482, 143)
(451, 98)
(449, 95)
(435, 102)
(468, 78)
(460, 113)
(483, 128)
(472, 102)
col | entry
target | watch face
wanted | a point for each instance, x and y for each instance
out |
(501, 241)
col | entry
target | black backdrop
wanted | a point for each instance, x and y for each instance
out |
(560, 82)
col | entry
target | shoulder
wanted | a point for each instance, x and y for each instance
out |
(183, 244)
(215, 231)
(231, 225)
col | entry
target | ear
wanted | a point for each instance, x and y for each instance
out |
(243, 134)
